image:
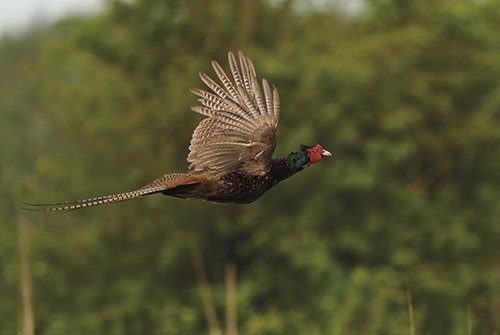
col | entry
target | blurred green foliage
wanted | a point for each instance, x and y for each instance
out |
(406, 96)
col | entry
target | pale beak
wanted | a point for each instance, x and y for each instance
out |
(325, 153)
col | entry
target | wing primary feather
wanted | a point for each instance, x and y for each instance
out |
(226, 82)
(214, 102)
(241, 86)
(229, 119)
(241, 112)
(269, 100)
(276, 103)
(247, 81)
(213, 85)
(258, 99)
(256, 90)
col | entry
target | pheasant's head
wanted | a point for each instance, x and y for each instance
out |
(315, 152)
(306, 156)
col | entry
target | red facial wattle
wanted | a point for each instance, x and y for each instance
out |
(315, 153)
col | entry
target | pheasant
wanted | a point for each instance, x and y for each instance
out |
(230, 150)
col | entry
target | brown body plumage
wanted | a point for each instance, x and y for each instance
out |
(230, 151)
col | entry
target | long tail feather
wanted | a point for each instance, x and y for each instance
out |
(76, 204)
(168, 181)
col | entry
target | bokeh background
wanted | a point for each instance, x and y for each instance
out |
(404, 93)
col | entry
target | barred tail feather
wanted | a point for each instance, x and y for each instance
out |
(168, 181)
(107, 199)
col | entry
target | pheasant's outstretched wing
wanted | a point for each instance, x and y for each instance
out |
(240, 131)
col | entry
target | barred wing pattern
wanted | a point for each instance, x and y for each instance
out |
(241, 125)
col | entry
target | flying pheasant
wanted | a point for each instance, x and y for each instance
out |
(231, 150)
